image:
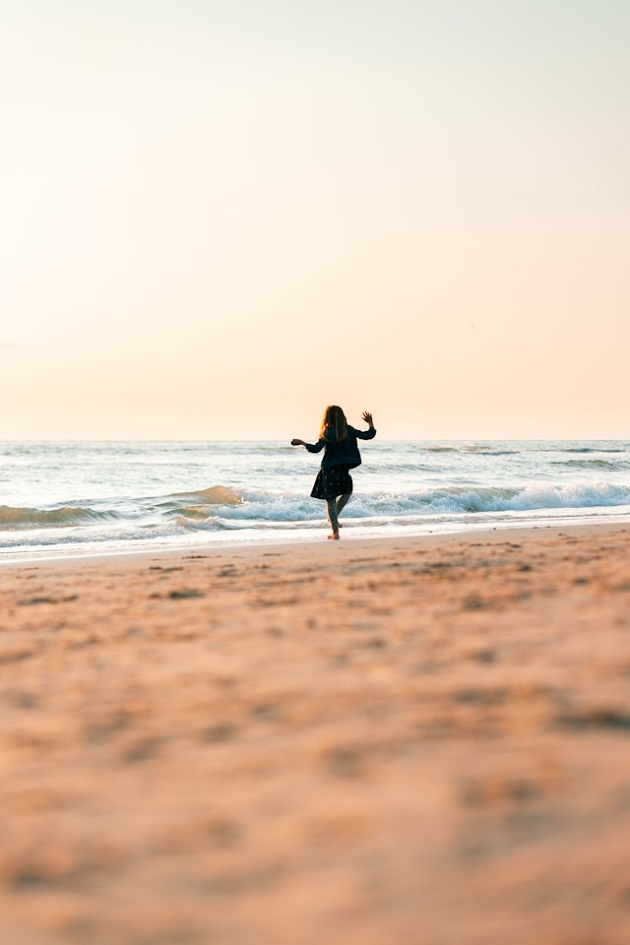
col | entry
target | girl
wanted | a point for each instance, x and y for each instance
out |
(341, 453)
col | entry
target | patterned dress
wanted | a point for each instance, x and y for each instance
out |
(332, 481)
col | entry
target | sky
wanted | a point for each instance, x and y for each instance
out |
(219, 216)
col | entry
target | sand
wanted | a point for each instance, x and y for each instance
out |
(390, 742)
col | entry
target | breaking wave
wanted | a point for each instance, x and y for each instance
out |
(532, 497)
(215, 495)
(225, 506)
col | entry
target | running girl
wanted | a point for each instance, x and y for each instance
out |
(341, 454)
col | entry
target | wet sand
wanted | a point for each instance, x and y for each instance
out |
(390, 742)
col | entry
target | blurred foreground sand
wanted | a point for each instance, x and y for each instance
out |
(388, 742)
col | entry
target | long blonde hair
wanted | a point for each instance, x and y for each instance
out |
(334, 419)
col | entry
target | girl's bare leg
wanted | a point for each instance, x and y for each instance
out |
(332, 518)
(342, 501)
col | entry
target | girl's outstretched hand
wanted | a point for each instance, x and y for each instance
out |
(368, 418)
(298, 443)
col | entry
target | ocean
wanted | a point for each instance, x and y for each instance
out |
(80, 498)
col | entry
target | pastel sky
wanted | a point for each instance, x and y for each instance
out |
(218, 216)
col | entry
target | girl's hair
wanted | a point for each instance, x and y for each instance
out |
(334, 419)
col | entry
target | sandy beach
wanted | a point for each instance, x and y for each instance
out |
(418, 741)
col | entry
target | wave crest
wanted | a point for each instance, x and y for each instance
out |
(63, 517)
(214, 495)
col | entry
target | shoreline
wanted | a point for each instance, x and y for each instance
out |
(349, 741)
(248, 549)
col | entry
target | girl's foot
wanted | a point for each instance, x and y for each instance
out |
(334, 536)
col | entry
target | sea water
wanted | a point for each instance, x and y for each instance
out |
(81, 498)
